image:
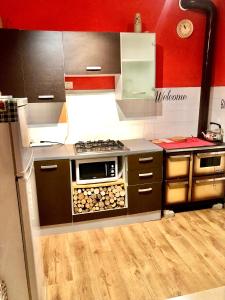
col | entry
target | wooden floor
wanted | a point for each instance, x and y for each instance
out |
(152, 260)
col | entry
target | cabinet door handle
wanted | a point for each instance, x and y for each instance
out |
(93, 68)
(43, 97)
(50, 167)
(145, 174)
(209, 154)
(144, 190)
(144, 159)
(210, 180)
(179, 156)
(139, 93)
(177, 184)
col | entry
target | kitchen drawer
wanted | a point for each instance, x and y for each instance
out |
(146, 176)
(145, 161)
(208, 188)
(177, 165)
(176, 192)
(144, 197)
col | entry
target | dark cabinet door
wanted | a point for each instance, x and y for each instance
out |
(43, 66)
(53, 191)
(11, 76)
(91, 53)
(144, 197)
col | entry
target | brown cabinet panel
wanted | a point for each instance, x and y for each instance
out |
(144, 176)
(100, 215)
(91, 49)
(11, 76)
(145, 161)
(145, 197)
(43, 66)
(53, 191)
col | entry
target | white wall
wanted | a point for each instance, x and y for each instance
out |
(94, 116)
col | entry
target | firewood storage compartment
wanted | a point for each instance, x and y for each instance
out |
(101, 199)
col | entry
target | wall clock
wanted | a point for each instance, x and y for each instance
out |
(185, 28)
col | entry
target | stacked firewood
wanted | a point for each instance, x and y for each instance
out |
(98, 198)
(3, 290)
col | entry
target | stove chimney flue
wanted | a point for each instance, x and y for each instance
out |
(209, 9)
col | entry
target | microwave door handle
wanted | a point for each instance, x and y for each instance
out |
(106, 170)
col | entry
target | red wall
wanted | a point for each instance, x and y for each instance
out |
(179, 61)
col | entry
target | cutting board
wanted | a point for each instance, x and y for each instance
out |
(188, 143)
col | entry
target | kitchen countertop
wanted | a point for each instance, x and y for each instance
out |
(68, 151)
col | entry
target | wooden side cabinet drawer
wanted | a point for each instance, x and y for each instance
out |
(145, 161)
(144, 176)
(144, 197)
(53, 191)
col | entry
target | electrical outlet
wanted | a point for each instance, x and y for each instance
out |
(69, 85)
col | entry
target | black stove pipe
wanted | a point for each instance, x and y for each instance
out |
(209, 8)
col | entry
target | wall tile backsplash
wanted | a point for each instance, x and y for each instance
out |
(94, 115)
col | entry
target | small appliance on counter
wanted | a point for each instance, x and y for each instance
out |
(215, 135)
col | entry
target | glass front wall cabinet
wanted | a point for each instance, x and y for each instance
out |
(136, 84)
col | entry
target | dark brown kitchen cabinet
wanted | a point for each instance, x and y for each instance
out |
(145, 182)
(11, 75)
(144, 197)
(91, 53)
(43, 65)
(53, 191)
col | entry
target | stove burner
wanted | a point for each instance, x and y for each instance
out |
(98, 146)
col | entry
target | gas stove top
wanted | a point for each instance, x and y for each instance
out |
(99, 146)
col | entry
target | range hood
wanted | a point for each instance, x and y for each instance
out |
(46, 113)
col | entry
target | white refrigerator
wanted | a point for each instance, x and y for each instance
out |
(20, 249)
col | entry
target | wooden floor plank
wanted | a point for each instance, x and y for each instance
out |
(151, 260)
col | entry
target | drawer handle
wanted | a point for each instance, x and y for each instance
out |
(145, 174)
(179, 156)
(209, 154)
(144, 190)
(50, 167)
(43, 97)
(210, 180)
(139, 93)
(177, 184)
(93, 68)
(145, 159)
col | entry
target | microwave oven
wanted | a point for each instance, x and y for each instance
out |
(96, 170)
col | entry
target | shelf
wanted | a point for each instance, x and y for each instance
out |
(108, 183)
(99, 211)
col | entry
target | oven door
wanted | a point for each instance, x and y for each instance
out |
(96, 170)
(209, 163)
(208, 188)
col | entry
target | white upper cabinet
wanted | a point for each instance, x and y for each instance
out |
(137, 79)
